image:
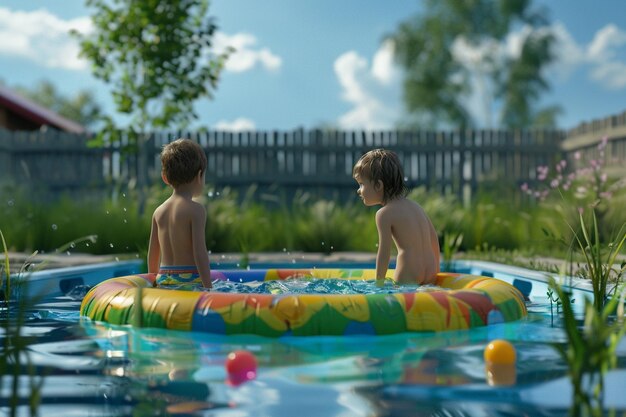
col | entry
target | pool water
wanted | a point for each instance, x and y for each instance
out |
(94, 369)
(312, 286)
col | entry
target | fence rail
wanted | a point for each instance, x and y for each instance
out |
(319, 161)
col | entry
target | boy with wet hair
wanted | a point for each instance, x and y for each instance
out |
(177, 250)
(381, 182)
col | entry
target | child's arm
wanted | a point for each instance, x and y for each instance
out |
(383, 224)
(200, 255)
(154, 249)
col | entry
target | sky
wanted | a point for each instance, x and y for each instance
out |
(311, 63)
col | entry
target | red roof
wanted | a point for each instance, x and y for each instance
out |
(36, 113)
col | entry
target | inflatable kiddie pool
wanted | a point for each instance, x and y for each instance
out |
(459, 301)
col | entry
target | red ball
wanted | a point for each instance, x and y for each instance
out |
(240, 366)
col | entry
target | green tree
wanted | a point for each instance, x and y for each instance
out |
(81, 108)
(437, 82)
(156, 55)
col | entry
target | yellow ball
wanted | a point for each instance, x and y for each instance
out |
(500, 352)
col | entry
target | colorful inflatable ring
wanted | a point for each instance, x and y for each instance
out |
(465, 301)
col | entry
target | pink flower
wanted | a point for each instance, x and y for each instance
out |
(524, 187)
(603, 142)
(554, 183)
(603, 178)
(606, 195)
(577, 155)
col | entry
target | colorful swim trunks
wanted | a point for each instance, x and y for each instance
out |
(178, 275)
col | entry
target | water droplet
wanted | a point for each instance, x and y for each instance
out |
(237, 265)
(68, 253)
(107, 212)
(293, 261)
(87, 244)
(117, 259)
(217, 193)
(223, 256)
(323, 243)
(332, 247)
(72, 245)
(123, 194)
(209, 252)
(10, 203)
(125, 221)
(284, 249)
(124, 209)
(210, 194)
(110, 244)
(54, 227)
(406, 179)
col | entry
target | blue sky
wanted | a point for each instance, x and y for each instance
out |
(308, 63)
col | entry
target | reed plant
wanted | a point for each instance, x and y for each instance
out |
(590, 350)
(601, 259)
(14, 356)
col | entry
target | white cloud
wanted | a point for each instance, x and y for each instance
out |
(611, 74)
(246, 55)
(383, 67)
(604, 57)
(604, 42)
(374, 92)
(240, 124)
(609, 65)
(42, 37)
(569, 54)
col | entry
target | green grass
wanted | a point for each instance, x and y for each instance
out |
(249, 223)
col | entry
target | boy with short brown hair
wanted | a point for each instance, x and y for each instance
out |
(177, 250)
(399, 220)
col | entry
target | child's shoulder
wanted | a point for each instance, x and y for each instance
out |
(400, 207)
(196, 208)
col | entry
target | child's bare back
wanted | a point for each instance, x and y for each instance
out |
(415, 238)
(174, 219)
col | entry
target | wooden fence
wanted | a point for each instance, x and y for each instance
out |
(313, 161)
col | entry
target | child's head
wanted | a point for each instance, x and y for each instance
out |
(181, 161)
(384, 166)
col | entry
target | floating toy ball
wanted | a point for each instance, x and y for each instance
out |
(240, 366)
(500, 352)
